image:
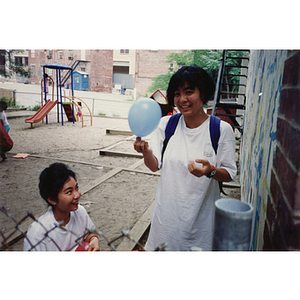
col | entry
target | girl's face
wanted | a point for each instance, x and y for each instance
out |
(188, 100)
(68, 196)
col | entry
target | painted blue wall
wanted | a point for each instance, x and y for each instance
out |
(259, 140)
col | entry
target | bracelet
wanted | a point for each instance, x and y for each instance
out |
(94, 235)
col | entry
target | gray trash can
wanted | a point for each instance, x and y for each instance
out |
(232, 226)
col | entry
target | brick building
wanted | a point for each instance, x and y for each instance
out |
(19, 58)
(138, 66)
(148, 65)
(97, 63)
(282, 228)
(101, 70)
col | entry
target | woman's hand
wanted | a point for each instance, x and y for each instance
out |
(200, 171)
(221, 174)
(140, 145)
(150, 160)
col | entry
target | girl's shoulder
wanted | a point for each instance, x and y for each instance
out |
(226, 130)
(80, 209)
(43, 223)
(80, 212)
(164, 121)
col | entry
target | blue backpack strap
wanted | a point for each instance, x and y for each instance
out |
(169, 131)
(171, 126)
(214, 129)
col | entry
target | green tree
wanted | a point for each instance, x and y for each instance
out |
(206, 59)
(8, 65)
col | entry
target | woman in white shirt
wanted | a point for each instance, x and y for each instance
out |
(184, 206)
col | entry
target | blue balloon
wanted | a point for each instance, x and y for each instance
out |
(144, 116)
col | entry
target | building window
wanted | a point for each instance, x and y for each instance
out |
(32, 53)
(32, 69)
(26, 62)
(124, 51)
(18, 61)
(49, 56)
(60, 54)
(171, 68)
(82, 69)
(70, 56)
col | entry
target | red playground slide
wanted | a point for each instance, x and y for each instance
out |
(41, 113)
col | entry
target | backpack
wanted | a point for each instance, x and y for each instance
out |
(214, 129)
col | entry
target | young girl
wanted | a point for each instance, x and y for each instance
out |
(59, 188)
(3, 118)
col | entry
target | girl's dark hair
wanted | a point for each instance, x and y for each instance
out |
(194, 76)
(3, 105)
(52, 179)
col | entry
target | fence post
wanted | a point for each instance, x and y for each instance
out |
(14, 96)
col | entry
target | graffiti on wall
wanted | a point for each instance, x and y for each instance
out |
(259, 141)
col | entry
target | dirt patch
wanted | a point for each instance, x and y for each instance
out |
(132, 194)
(115, 204)
(110, 204)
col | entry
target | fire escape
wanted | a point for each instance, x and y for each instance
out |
(230, 95)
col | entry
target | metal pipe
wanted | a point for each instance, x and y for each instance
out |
(232, 226)
(61, 103)
(219, 83)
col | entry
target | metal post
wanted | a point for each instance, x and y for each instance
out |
(60, 95)
(57, 95)
(72, 95)
(219, 83)
(45, 92)
(232, 227)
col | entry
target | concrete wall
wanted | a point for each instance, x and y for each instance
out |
(260, 131)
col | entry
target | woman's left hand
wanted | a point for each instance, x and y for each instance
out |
(221, 174)
(199, 171)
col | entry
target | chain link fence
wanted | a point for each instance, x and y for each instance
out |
(17, 233)
(8, 96)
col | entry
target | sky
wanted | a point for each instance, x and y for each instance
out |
(157, 24)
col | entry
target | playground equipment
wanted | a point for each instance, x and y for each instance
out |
(41, 113)
(73, 108)
(161, 98)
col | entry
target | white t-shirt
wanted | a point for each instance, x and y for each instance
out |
(184, 206)
(3, 117)
(65, 240)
